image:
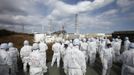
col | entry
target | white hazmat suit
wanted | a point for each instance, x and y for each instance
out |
(14, 54)
(56, 55)
(106, 59)
(24, 53)
(128, 61)
(116, 49)
(75, 63)
(64, 48)
(126, 44)
(5, 60)
(43, 47)
(84, 48)
(35, 61)
(92, 47)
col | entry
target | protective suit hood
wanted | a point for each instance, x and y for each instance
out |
(4, 46)
(76, 42)
(35, 46)
(26, 42)
(10, 44)
(131, 46)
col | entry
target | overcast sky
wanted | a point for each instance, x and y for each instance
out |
(94, 15)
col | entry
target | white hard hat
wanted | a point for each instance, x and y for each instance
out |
(35, 46)
(10, 44)
(4, 46)
(26, 42)
(131, 45)
(76, 42)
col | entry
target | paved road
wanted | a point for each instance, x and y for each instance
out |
(96, 70)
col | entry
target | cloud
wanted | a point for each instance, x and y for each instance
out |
(83, 6)
(125, 5)
(35, 13)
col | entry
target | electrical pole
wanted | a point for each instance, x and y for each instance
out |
(23, 28)
(62, 27)
(42, 28)
(76, 24)
(50, 25)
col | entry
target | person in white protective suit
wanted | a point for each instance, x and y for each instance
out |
(43, 47)
(63, 49)
(116, 49)
(113, 41)
(56, 55)
(35, 61)
(24, 54)
(84, 48)
(102, 44)
(92, 51)
(5, 60)
(126, 43)
(14, 54)
(97, 44)
(74, 61)
(106, 59)
(70, 45)
(127, 58)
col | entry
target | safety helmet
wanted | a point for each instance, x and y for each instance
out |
(26, 42)
(10, 44)
(4, 46)
(76, 42)
(35, 46)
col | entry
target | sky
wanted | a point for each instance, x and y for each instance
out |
(94, 16)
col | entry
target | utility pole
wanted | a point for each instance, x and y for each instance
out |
(50, 25)
(62, 26)
(32, 30)
(23, 28)
(42, 28)
(76, 24)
